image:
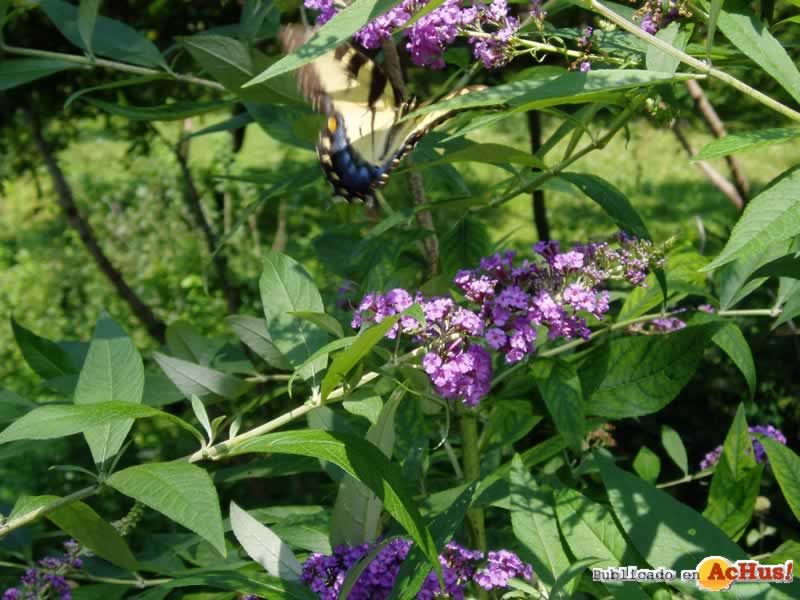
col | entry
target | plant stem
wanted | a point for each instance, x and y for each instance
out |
(34, 515)
(685, 479)
(543, 176)
(472, 472)
(109, 64)
(693, 62)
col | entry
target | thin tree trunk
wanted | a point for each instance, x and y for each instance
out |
(154, 326)
(195, 206)
(717, 127)
(714, 176)
(415, 183)
(537, 198)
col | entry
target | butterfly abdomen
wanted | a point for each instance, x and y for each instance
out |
(349, 174)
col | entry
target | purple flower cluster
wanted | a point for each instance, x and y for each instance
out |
(653, 18)
(489, 28)
(457, 367)
(325, 574)
(712, 458)
(551, 293)
(48, 581)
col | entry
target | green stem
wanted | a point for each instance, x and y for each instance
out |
(542, 176)
(700, 65)
(109, 64)
(33, 515)
(686, 479)
(472, 472)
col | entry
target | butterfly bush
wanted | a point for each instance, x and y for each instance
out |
(325, 574)
(712, 458)
(510, 301)
(48, 580)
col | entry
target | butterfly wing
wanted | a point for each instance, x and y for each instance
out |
(365, 135)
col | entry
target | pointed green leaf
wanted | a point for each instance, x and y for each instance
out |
(112, 372)
(87, 17)
(60, 420)
(19, 71)
(323, 320)
(560, 388)
(186, 343)
(263, 546)
(285, 288)
(647, 464)
(46, 358)
(199, 410)
(534, 522)
(634, 376)
(180, 491)
(190, 378)
(357, 511)
(110, 38)
(731, 340)
(253, 333)
(612, 201)
(359, 459)
(770, 217)
(677, 35)
(81, 522)
(746, 141)
(785, 465)
(673, 444)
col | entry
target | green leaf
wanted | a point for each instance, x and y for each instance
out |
(344, 362)
(87, 17)
(534, 522)
(254, 12)
(263, 546)
(570, 575)
(323, 320)
(357, 512)
(81, 522)
(364, 402)
(177, 111)
(359, 459)
(590, 530)
(752, 37)
(60, 420)
(253, 333)
(180, 491)
(19, 71)
(732, 342)
(770, 217)
(339, 29)
(647, 464)
(112, 86)
(231, 63)
(715, 6)
(612, 201)
(673, 444)
(110, 38)
(199, 410)
(568, 88)
(286, 288)
(677, 35)
(679, 539)
(790, 310)
(186, 343)
(13, 406)
(745, 142)
(190, 378)
(46, 358)
(635, 376)
(464, 245)
(264, 586)
(112, 371)
(412, 575)
(489, 153)
(736, 481)
(787, 266)
(560, 388)
(736, 280)
(785, 465)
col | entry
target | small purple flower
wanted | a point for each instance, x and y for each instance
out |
(12, 594)
(585, 66)
(649, 24)
(707, 308)
(502, 566)
(712, 458)
(667, 324)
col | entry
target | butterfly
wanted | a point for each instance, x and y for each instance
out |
(365, 134)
